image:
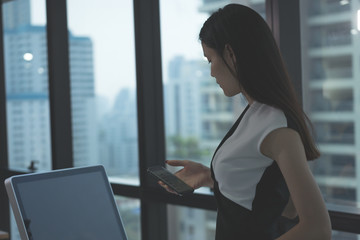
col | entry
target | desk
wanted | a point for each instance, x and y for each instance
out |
(4, 235)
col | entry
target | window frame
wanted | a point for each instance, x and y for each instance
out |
(4, 203)
(282, 15)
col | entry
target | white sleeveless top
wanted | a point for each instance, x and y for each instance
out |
(238, 164)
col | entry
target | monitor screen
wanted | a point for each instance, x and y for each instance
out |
(69, 204)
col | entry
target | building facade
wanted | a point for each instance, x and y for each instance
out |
(27, 92)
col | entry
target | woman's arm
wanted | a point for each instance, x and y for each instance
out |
(284, 145)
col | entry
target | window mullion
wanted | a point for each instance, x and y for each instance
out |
(283, 17)
(59, 84)
(4, 204)
(3, 126)
(150, 112)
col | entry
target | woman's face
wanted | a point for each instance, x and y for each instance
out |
(220, 71)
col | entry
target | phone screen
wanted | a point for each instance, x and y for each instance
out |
(171, 180)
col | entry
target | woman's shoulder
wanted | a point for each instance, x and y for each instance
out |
(278, 140)
(268, 115)
(263, 120)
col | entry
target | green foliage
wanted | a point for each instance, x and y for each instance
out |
(185, 148)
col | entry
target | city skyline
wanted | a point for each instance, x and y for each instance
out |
(109, 78)
(196, 112)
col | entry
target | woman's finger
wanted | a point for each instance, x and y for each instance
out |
(176, 163)
(166, 187)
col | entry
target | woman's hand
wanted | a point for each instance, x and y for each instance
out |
(194, 174)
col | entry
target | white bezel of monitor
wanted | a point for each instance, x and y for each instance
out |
(16, 209)
(11, 185)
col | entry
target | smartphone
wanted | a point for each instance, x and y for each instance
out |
(170, 179)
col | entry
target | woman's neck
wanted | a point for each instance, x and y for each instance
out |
(248, 98)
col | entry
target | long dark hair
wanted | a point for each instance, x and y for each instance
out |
(259, 66)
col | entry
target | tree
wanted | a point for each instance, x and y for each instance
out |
(185, 148)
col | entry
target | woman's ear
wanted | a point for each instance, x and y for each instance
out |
(229, 54)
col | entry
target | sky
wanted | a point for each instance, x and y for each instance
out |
(109, 23)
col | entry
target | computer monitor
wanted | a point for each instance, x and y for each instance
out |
(74, 203)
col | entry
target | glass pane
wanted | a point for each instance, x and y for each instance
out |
(337, 235)
(26, 76)
(197, 113)
(186, 223)
(334, 132)
(102, 72)
(129, 209)
(331, 51)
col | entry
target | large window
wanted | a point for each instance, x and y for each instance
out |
(27, 95)
(102, 75)
(103, 37)
(331, 56)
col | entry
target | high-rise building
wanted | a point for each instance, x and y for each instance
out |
(331, 50)
(27, 96)
(118, 138)
(331, 82)
(16, 15)
(85, 139)
(182, 101)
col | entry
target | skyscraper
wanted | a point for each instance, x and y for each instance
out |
(118, 138)
(85, 131)
(26, 74)
(331, 82)
(26, 78)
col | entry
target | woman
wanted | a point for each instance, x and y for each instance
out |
(259, 172)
